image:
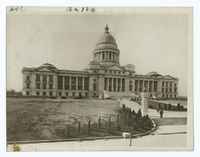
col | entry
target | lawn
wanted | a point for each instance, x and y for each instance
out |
(37, 118)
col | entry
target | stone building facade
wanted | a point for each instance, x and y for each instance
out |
(104, 75)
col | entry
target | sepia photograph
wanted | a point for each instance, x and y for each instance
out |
(99, 78)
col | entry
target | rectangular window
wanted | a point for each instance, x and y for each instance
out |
(145, 86)
(136, 85)
(67, 82)
(50, 81)
(60, 82)
(44, 79)
(38, 77)
(60, 94)
(94, 85)
(73, 83)
(86, 83)
(110, 84)
(27, 93)
(44, 93)
(80, 83)
(50, 94)
(114, 84)
(105, 83)
(150, 86)
(28, 85)
(119, 84)
(44, 86)
(50, 86)
(38, 85)
(141, 85)
(51, 78)
(38, 93)
(130, 85)
(123, 85)
(155, 86)
(28, 78)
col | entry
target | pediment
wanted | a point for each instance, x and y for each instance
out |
(168, 77)
(115, 67)
(44, 69)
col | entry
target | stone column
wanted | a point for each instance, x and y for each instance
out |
(159, 88)
(108, 84)
(116, 85)
(120, 84)
(69, 82)
(63, 80)
(112, 82)
(76, 83)
(144, 103)
(100, 87)
(148, 86)
(47, 87)
(143, 85)
(33, 81)
(133, 85)
(41, 82)
(91, 86)
(126, 85)
(83, 83)
(55, 86)
(107, 56)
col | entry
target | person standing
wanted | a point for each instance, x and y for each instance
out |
(161, 113)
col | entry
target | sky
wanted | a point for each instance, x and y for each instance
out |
(152, 41)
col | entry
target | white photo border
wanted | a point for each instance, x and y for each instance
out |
(137, 3)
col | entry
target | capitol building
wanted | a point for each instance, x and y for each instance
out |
(104, 76)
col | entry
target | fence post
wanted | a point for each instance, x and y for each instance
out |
(118, 121)
(89, 126)
(99, 122)
(109, 122)
(68, 131)
(79, 127)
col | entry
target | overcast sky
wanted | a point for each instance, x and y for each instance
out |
(151, 41)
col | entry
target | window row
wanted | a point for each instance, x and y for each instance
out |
(107, 55)
(44, 78)
(168, 84)
(73, 83)
(146, 86)
(114, 84)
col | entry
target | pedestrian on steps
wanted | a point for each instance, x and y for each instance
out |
(161, 113)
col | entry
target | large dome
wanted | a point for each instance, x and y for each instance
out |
(106, 41)
(106, 51)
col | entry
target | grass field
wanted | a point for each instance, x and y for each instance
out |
(37, 118)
